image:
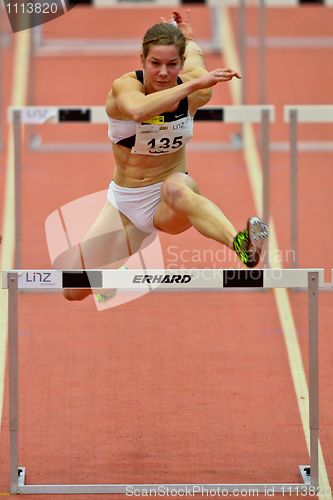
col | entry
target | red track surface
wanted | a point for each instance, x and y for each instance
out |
(129, 394)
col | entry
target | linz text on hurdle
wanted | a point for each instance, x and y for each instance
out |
(35, 277)
(39, 113)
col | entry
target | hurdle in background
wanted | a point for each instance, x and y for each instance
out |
(79, 47)
(99, 46)
(189, 280)
(1, 81)
(53, 47)
(4, 42)
(82, 47)
(295, 115)
(97, 115)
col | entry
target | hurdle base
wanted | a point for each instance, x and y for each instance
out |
(189, 489)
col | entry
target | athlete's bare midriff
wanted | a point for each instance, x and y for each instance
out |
(135, 170)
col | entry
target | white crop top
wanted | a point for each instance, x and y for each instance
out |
(162, 134)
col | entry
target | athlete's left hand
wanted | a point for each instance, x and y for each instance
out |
(225, 74)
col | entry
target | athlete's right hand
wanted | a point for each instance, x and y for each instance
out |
(183, 23)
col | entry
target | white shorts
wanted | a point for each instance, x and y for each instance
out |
(138, 204)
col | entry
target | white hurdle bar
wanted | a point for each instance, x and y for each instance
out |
(174, 280)
(294, 115)
(99, 46)
(39, 115)
(4, 42)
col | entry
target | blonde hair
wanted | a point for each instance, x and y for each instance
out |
(164, 34)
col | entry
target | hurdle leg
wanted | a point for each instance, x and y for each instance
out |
(2, 72)
(313, 376)
(241, 34)
(13, 364)
(17, 137)
(216, 28)
(265, 171)
(262, 52)
(33, 139)
(293, 184)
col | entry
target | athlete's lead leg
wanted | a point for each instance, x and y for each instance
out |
(183, 206)
(206, 217)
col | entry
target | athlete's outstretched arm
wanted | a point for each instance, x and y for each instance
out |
(130, 100)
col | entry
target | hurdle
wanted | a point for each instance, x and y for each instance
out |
(41, 47)
(4, 42)
(162, 280)
(99, 46)
(38, 115)
(81, 47)
(1, 85)
(228, 114)
(294, 115)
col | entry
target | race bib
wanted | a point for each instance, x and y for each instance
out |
(156, 138)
